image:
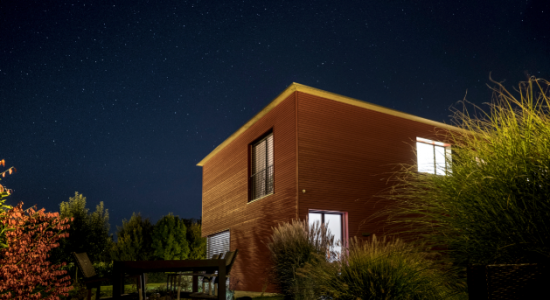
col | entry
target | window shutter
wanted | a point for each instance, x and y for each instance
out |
(217, 243)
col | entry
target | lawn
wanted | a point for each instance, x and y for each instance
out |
(107, 291)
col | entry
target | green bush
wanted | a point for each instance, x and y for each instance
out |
(293, 245)
(376, 269)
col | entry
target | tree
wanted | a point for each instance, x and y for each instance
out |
(133, 240)
(4, 193)
(88, 232)
(169, 239)
(493, 206)
(197, 244)
(25, 272)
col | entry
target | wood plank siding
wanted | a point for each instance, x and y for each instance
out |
(339, 150)
(225, 202)
(345, 153)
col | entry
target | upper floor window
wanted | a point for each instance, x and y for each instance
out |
(433, 157)
(261, 179)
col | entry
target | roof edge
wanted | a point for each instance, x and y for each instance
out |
(282, 96)
(296, 87)
(370, 106)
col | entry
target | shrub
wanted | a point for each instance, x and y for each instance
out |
(4, 193)
(375, 269)
(25, 272)
(292, 245)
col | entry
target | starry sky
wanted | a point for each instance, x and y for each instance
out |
(119, 100)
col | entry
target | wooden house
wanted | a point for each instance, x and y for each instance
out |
(309, 153)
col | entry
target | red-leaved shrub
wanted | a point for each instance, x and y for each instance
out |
(25, 272)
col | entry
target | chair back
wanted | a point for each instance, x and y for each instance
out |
(85, 265)
(229, 260)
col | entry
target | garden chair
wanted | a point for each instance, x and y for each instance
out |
(229, 260)
(91, 279)
(208, 278)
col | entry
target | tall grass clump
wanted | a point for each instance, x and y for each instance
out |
(379, 269)
(493, 205)
(292, 245)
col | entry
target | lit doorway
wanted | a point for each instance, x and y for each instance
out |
(336, 222)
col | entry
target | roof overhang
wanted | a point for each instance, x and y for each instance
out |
(324, 94)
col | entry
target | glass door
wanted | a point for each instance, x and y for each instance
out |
(335, 224)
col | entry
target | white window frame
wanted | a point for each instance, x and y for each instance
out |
(441, 156)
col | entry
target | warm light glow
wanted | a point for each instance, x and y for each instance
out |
(334, 223)
(431, 156)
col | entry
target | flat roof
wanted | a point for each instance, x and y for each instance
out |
(296, 87)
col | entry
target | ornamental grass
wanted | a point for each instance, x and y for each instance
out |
(493, 205)
(292, 245)
(379, 269)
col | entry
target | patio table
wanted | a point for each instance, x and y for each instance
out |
(141, 267)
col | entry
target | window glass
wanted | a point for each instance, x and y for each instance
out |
(425, 157)
(314, 217)
(259, 156)
(269, 149)
(439, 160)
(449, 157)
(431, 156)
(261, 179)
(334, 224)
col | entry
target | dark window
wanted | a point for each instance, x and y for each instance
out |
(261, 178)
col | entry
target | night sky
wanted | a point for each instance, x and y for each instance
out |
(119, 100)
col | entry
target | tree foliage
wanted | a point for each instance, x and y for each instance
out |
(89, 232)
(4, 193)
(133, 240)
(197, 244)
(169, 239)
(25, 272)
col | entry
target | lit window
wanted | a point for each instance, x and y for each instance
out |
(335, 224)
(261, 179)
(433, 157)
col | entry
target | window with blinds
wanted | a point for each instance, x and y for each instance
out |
(261, 179)
(217, 243)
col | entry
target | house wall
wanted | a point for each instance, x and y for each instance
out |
(345, 154)
(225, 195)
(341, 155)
